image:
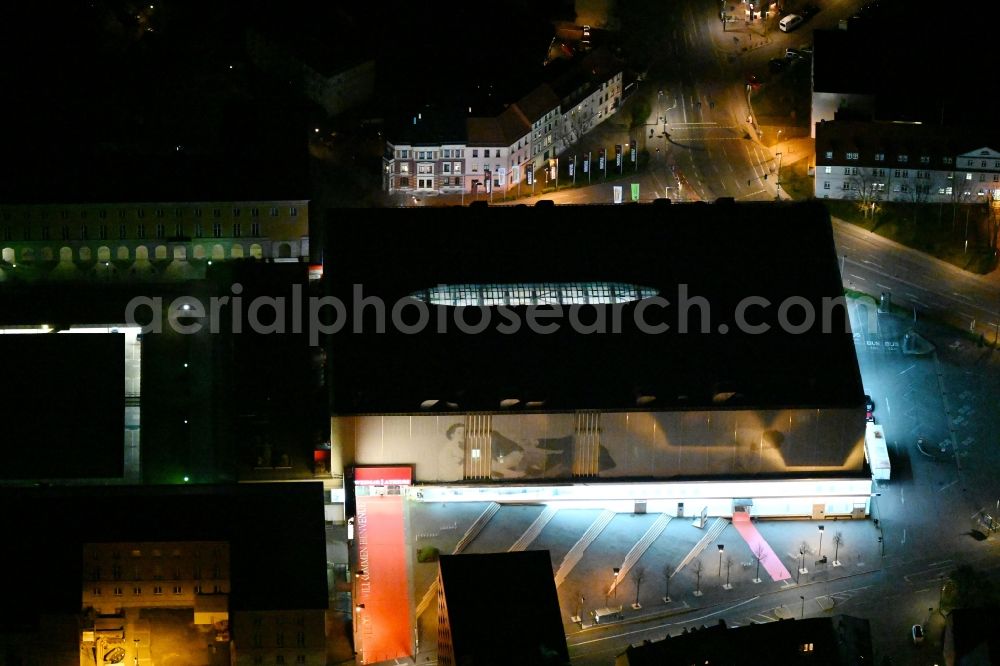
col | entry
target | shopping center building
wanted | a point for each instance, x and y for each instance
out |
(683, 359)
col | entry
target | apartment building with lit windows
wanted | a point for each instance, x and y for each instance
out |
(909, 162)
(209, 574)
(153, 574)
(452, 155)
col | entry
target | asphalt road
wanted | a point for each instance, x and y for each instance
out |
(873, 264)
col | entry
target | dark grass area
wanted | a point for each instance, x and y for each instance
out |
(940, 230)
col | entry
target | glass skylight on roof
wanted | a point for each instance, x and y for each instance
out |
(563, 293)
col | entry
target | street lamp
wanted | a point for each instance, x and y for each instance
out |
(803, 615)
(777, 184)
(722, 547)
(820, 553)
(617, 570)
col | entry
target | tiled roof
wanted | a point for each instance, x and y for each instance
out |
(894, 139)
(538, 102)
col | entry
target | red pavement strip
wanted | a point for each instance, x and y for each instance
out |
(772, 563)
(385, 627)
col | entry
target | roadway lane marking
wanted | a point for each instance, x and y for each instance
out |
(907, 370)
(948, 485)
(873, 263)
(887, 407)
(881, 286)
(857, 277)
(668, 624)
(904, 536)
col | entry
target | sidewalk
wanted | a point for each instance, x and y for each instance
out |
(858, 553)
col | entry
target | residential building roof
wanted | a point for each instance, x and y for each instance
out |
(538, 102)
(485, 132)
(581, 78)
(275, 532)
(515, 619)
(429, 126)
(895, 139)
(723, 253)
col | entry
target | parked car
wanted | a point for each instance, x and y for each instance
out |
(869, 409)
(790, 22)
(795, 54)
(777, 64)
(918, 634)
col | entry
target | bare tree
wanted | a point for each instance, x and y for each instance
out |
(666, 571)
(866, 188)
(914, 191)
(760, 554)
(697, 565)
(962, 192)
(993, 225)
(838, 539)
(637, 574)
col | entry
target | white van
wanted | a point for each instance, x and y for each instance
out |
(790, 22)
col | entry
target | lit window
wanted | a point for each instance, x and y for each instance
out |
(852, 156)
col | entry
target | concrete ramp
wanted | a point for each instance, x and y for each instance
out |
(641, 546)
(576, 552)
(530, 534)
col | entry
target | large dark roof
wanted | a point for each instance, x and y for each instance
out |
(70, 424)
(974, 632)
(522, 597)
(909, 81)
(830, 74)
(723, 253)
(275, 531)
